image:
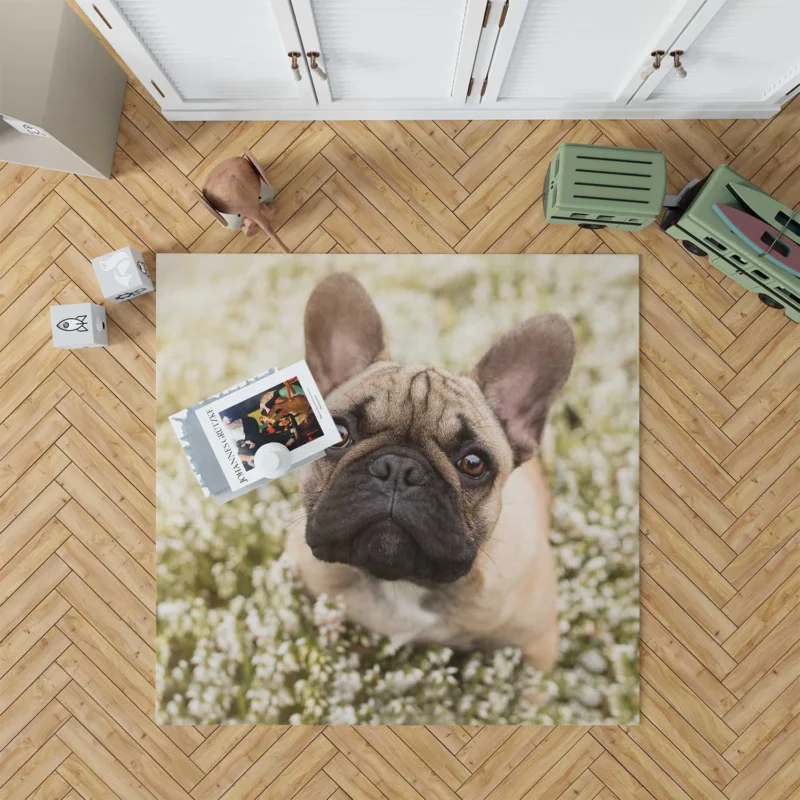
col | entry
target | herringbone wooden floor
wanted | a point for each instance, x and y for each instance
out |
(720, 505)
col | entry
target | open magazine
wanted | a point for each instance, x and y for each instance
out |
(222, 434)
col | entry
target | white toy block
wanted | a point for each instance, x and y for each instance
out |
(122, 275)
(78, 325)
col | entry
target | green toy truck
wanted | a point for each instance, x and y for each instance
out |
(702, 232)
(598, 187)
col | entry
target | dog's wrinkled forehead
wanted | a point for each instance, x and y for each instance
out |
(416, 403)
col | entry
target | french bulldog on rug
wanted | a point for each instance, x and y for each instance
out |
(431, 517)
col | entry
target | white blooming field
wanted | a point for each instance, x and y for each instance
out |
(239, 642)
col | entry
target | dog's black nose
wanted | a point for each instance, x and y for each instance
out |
(403, 470)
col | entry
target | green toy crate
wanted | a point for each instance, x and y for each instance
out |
(597, 187)
(702, 232)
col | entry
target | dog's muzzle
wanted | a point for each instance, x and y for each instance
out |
(392, 514)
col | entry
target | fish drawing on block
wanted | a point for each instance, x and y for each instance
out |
(77, 324)
(764, 239)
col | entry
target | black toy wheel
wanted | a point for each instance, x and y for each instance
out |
(769, 301)
(693, 248)
(592, 226)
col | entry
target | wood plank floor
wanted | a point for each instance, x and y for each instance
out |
(720, 397)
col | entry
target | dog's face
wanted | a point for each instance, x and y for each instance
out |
(415, 485)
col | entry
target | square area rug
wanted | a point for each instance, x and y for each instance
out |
(406, 577)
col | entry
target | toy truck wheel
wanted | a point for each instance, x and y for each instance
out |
(769, 301)
(693, 248)
(592, 226)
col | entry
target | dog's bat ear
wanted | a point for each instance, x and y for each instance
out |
(521, 374)
(343, 331)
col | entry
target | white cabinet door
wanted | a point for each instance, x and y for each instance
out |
(225, 56)
(743, 51)
(576, 53)
(390, 54)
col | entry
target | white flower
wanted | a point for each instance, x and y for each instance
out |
(590, 697)
(593, 661)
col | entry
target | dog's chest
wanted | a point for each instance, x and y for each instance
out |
(406, 602)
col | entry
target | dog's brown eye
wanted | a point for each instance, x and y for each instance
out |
(345, 434)
(472, 464)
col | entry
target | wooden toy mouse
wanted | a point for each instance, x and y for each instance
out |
(233, 194)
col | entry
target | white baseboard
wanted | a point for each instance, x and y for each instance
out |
(371, 112)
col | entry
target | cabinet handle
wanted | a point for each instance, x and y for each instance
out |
(313, 56)
(657, 56)
(100, 14)
(676, 60)
(503, 15)
(296, 74)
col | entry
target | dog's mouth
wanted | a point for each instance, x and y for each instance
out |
(388, 551)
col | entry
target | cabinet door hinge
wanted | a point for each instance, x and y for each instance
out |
(469, 88)
(503, 15)
(486, 13)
